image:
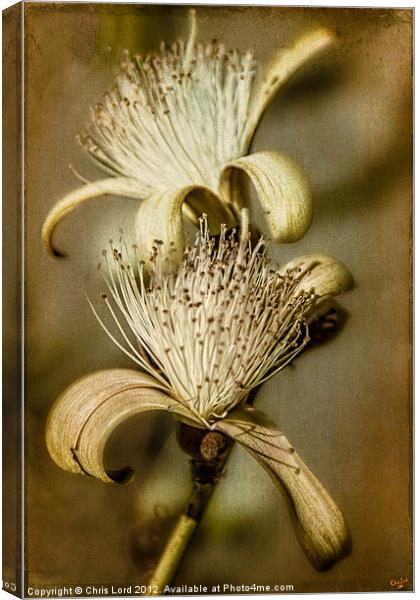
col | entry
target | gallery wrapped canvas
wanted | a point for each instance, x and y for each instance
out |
(207, 299)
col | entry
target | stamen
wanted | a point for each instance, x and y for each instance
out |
(193, 34)
(186, 105)
(221, 325)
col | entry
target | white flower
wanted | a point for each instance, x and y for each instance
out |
(175, 129)
(217, 326)
(204, 335)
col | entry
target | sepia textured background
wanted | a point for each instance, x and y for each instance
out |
(346, 406)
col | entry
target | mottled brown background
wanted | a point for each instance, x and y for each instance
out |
(346, 406)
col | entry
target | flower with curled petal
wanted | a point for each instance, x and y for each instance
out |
(204, 334)
(175, 131)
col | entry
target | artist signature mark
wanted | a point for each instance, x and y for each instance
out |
(398, 584)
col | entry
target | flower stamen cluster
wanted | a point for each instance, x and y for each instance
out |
(219, 325)
(186, 106)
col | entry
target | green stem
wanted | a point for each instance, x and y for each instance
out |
(210, 452)
(172, 555)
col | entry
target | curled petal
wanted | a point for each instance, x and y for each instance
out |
(160, 218)
(84, 416)
(325, 275)
(118, 186)
(285, 64)
(283, 190)
(321, 528)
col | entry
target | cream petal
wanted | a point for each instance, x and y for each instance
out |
(324, 274)
(321, 528)
(118, 186)
(282, 188)
(285, 64)
(86, 413)
(160, 218)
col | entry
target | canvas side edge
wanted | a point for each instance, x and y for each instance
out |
(11, 308)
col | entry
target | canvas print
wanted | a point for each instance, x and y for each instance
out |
(208, 315)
